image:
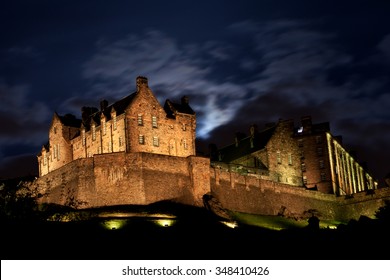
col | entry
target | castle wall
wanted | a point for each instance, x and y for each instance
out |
(126, 178)
(143, 178)
(251, 194)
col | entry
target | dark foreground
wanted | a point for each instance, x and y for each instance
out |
(192, 236)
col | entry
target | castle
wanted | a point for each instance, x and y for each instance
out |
(135, 151)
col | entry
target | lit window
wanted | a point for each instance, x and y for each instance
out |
(104, 128)
(93, 132)
(155, 141)
(303, 167)
(114, 120)
(304, 180)
(140, 120)
(279, 159)
(154, 121)
(141, 139)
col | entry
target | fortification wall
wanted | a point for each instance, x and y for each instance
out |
(251, 194)
(143, 178)
(126, 178)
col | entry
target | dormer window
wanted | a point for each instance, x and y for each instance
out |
(93, 132)
(114, 122)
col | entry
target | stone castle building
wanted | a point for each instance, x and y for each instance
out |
(135, 151)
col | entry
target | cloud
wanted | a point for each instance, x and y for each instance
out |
(23, 120)
(276, 69)
(171, 68)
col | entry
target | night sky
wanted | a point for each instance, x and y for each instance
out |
(240, 62)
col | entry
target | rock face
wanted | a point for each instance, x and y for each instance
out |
(212, 204)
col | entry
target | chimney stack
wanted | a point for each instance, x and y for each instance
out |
(141, 82)
(103, 105)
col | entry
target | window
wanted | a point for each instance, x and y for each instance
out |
(55, 151)
(104, 128)
(114, 120)
(154, 121)
(155, 141)
(303, 167)
(278, 158)
(58, 151)
(318, 139)
(120, 141)
(141, 139)
(184, 126)
(93, 132)
(319, 151)
(289, 159)
(304, 180)
(185, 144)
(140, 120)
(321, 163)
(323, 176)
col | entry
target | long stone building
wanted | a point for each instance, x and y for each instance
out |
(135, 151)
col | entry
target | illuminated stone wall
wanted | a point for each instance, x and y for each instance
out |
(126, 178)
(252, 194)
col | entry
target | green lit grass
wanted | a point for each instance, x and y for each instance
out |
(277, 222)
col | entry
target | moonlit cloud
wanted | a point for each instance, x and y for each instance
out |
(172, 69)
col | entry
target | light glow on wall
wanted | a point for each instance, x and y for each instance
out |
(165, 222)
(114, 224)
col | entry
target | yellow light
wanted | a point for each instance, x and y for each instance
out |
(230, 224)
(114, 223)
(164, 222)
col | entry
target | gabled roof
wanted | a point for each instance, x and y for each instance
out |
(119, 106)
(244, 147)
(172, 108)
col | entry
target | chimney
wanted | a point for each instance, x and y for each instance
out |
(185, 100)
(103, 105)
(141, 82)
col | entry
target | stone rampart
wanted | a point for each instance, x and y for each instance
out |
(143, 178)
(126, 178)
(252, 194)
